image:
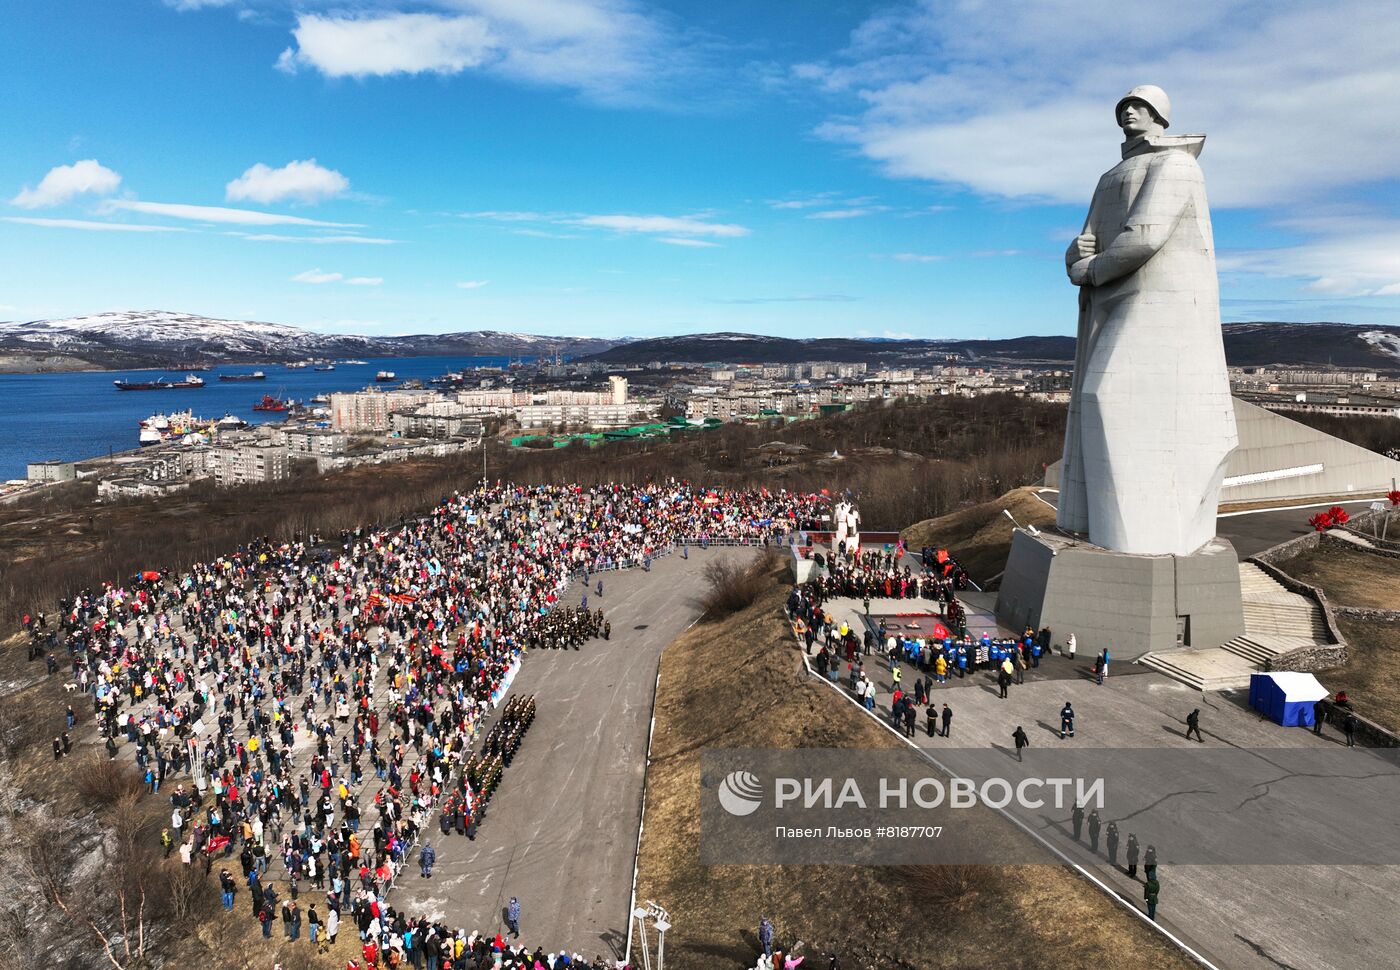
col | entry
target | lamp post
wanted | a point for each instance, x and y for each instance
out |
(662, 920)
(639, 917)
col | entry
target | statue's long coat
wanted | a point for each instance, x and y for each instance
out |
(1151, 422)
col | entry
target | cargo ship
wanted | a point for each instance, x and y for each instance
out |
(386, 377)
(160, 384)
(270, 403)
(257, 375)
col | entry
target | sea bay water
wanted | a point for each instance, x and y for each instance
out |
(83, 415)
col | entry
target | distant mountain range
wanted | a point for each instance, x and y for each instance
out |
(162, 339)
(158, 338)
(1246, 345)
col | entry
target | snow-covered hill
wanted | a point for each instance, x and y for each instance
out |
(156, 338)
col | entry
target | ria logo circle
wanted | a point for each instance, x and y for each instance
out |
(740, 793)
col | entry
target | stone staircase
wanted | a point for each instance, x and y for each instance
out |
(1276, 621)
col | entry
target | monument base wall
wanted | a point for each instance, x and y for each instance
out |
(1130, 604)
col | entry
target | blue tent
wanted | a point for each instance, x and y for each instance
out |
(1286, 698)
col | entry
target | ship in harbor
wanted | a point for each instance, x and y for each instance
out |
(257, 375)
(160, 384)
(324, 367)
(178, 427)
(386, 377)
(270, 403)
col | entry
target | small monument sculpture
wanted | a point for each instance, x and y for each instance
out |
(1137, 566)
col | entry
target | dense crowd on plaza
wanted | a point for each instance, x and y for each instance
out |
(316, 703)
(946, 650)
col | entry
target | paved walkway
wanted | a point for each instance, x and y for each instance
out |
(1266, 917)
(561, 831)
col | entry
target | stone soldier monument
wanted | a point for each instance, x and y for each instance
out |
(1137, 565)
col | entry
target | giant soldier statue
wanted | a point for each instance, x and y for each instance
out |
(1151, 422)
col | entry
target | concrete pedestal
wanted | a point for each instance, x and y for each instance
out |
(1128, 603)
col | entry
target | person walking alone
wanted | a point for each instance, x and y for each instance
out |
(513, 915)
(1066, 721)
(1193, 725)
(1019, 738)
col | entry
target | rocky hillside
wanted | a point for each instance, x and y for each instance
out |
(159, 338)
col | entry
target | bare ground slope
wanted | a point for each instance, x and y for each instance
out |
(739, 682)
(980, 535)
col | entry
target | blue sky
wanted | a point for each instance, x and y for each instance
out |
(616, 167)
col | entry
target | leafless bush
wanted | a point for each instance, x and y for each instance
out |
(946, 886)
(732, 586)
(103, 782)
(20, 728)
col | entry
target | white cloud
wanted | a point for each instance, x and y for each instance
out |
(472, 284)
(316, 240)
(316, 276)
(821, 198)
(1017, 101)
(677, 241)
(1348, 255)
(611, 50)
(915, 258)
(214, 213)
(303, 181)
(90, 225)
(846, 213)
(544, 234)
(65, 182)
(671, 225)
(397, 43)
(509, 216)
(185, 6)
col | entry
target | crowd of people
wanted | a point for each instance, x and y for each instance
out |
(891, 574)
(320, 700)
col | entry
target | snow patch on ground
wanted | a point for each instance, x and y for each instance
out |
(1386, 343)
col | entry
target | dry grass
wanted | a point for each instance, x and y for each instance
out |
(1371, 677)
(980, 536)
(1349, 575)
(739, 683)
